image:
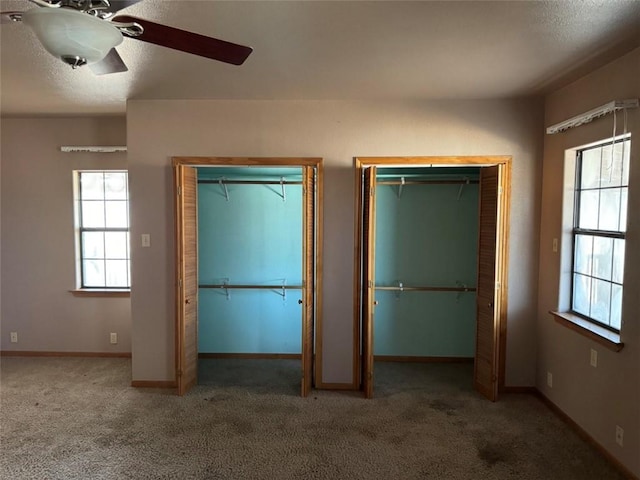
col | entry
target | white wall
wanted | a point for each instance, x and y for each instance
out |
(599, 398)
(336, 131)
(38, 256)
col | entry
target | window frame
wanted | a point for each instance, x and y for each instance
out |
(98, 290)
(576, 230)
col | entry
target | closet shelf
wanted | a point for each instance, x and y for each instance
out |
(462, 181)
(251, 287)
(403, 182)
(251, 182)
(279, 289)
(223, 182)
(427, 289)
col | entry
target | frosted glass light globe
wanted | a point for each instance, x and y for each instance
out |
(67, 33)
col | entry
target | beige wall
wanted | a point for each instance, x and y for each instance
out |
(38, 257)
(598, 398)
(336, 131)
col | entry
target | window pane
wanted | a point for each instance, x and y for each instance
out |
(117, 273)
(116, 214)
(616, 307)
(623, 209)
(600, 300)
(93, 214)
(590, 175)
(611, 174)
(589, 209)
(93, 273)
(602, 257)
(601, 196)
(609, 218)
(581, 294)
(618, 261)
(116, 244)
(92, 245)
(115, 185)
(626, 155)
(103, 214)
(583, 254)
(91, 185)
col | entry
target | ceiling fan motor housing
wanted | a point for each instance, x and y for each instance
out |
(75, 37)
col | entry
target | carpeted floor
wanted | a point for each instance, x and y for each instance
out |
(71, 418)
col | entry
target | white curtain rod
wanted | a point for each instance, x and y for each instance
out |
(93, 148)
(586, 117)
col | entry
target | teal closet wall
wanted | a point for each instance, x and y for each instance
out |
(427, 237)
(254, 238)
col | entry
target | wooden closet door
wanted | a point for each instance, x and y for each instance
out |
(187, 281)
(488, 292)
(308, 276)
(368, 277)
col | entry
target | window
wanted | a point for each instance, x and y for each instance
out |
(599, 226)
(102, 221)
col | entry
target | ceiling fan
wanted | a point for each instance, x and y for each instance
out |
(86, 32)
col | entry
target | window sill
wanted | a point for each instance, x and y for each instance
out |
(604, 337)
(95, 292)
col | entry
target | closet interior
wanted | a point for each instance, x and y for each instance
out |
(250, 274)
(432, 249)
(426, 246)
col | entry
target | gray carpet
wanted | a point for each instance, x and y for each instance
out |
(70, 418)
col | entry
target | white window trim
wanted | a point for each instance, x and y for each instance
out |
(564, 314)
(80, 291)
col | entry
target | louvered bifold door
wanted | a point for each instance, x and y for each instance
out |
(309, 276)
(368, 277)
(488, 291)
(187, 273)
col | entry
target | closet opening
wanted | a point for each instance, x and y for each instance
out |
(431, 265)
(248, 276)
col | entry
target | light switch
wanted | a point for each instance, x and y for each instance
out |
(555, 245)
(146, 240)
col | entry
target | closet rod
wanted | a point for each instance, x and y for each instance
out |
(428, 289)
(426, 182)
(252, 182)
(249, 287)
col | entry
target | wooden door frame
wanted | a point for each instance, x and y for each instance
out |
(504, 161)
(316, 326)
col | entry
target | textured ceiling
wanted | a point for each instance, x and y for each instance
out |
(331, 50)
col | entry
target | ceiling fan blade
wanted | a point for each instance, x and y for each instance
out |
(117, 5)
(189, 42)
(112, 63)
(10, 17)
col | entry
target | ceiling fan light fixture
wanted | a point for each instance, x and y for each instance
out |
(70, 34)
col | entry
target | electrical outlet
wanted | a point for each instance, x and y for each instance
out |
(114, 338)
(14, 337)
(146, 240)
(549, 379)
(594, 358)
(619, 435)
